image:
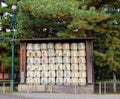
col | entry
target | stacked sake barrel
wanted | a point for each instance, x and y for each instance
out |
(56, 63)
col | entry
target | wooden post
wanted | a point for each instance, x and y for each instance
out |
(100, 88)
(104, 87)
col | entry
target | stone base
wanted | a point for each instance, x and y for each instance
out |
(56, 88)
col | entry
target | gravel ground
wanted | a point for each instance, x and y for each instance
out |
(57, 96)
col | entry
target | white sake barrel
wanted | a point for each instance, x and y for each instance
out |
(36, 74)
(82, 81)
(29, 74)
(75, 74)
(81, 45)
(37, 60)
(66, 46)
(51, 81)
(81, 53)
(30, 60)
(82, 67)
(51, 60)
(74, 67)
(36, 80)
(29, 80)
(37, 67)
(58, 53)
(67, 81)
(44, 74)
(36, 46)
(51, 67)
(66, 66)
(50, 45)
(81, 60)
(66, 60)
(74, 53)
(66, 52)
(74, 81)
(45, 67)
(59, 67)
(82, 74)
(44, 60)
(29, 67)
(58, 45)
(43, 45)
(51, 52)
(74, 46)
(58, 60)
(44, 81)
(37, 53)
(74, 60)
(30, 53)
(29, 46)
(59, 74)
(67, 74)
(44, 53)
(59, 81)
(51, 74)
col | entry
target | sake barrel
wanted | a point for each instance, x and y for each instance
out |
(29, 74)
(82, 74)
(74, 67)
(74, 46)
(44, 81)
(58, 60)
(82, 81)
(51, 52)
(74, 53)
(51, 67)
(59, 67)
(82, 67)
(67, 74)
(45, 67)
(59, 74)
(44, 53)
(37, 53)
(29, 80)
(75, 74)
(58, 45)
(58, 53)
(44, 46)
(36, 46)
(29, 67)
(36, 74)
(51, 81)
(37, 60)
(66, 52)
(30, 53)
(66, 66)
(37, 67)
(81, 53)
(81, 60)
(74, 81)
(51, 60)
(66, 46)
(51, 74)
(44, 60)
(36, 80)
(66, 60)
(50, 45)
(44, 74)
(67, 81)
(81, 45)
(74, 60)
(59, 81)
(30, 60)
(29, 46)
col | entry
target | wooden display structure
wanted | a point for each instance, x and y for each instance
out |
(70, 88)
